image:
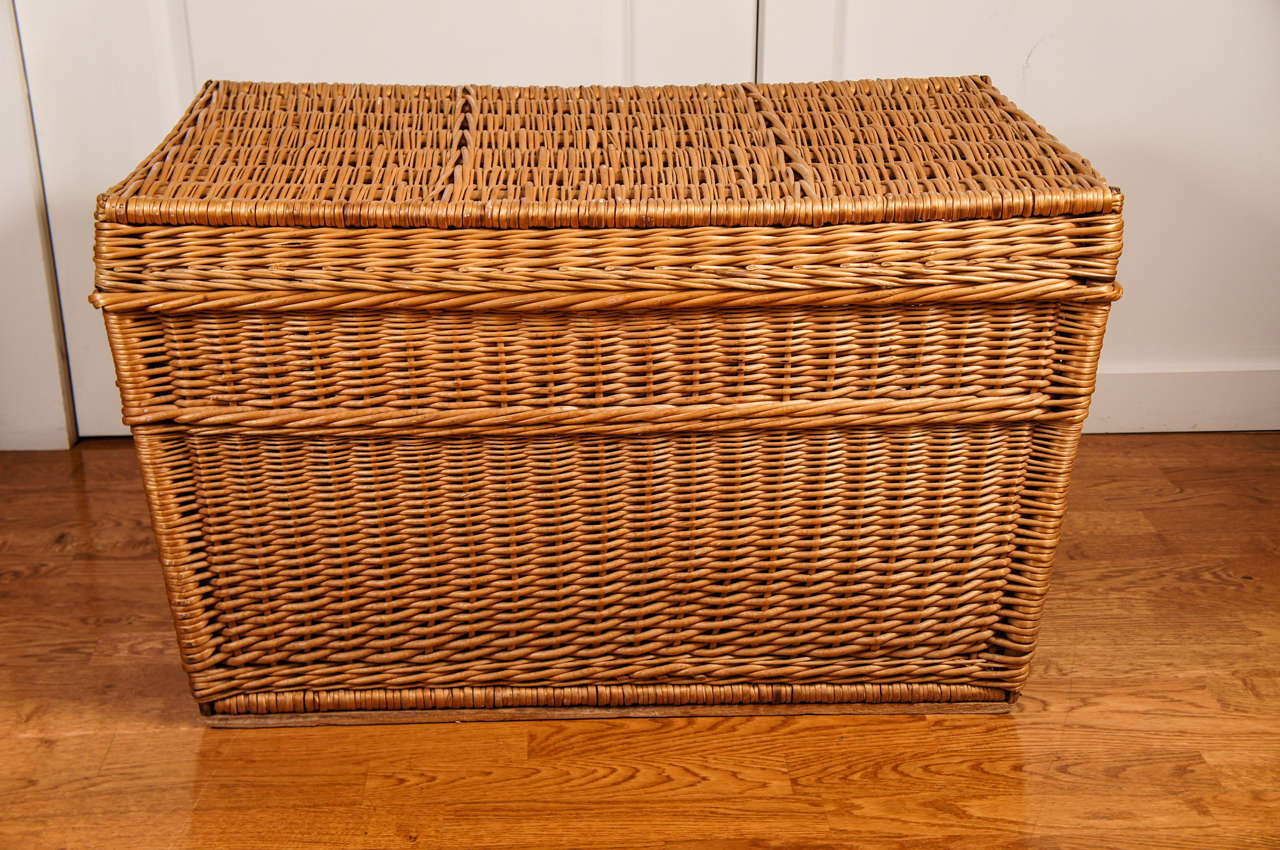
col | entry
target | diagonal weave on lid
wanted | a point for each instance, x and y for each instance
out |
(265, 154)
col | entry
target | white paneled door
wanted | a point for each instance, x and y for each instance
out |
(108, 80)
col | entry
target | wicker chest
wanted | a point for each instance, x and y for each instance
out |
(716, 398)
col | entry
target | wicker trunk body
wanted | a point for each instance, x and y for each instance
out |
(707, 398)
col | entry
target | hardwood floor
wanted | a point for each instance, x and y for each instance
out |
(1152, 718)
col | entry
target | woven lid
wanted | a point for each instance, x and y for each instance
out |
(264, 154)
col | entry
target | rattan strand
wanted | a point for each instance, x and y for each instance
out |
(465, 398)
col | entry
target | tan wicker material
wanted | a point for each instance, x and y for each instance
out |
(477, 398)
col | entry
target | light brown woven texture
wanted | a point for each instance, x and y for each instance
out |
(434, 156)
(484, 397)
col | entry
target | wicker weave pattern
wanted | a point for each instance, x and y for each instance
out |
(468, 397)
(706, 258)
(395, 156)
(677, 559)
(621, 697)
(414, 360)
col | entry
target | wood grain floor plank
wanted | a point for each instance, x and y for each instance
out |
(1122, 811)
(1152, 718)
(690, 778)
(1072, 763)
(560, 823)
(256, 752)
(276, 826)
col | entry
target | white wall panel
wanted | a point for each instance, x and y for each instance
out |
(108, 81)
(802, 40)
(556, 42)
(498, 42)
(676, 42)
(1178, 103)
(34, 407)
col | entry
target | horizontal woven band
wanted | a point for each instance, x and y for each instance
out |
(630, 419)
(480, 698)
(608, 213)
(763, 258)
(187, 302)
(759, 671)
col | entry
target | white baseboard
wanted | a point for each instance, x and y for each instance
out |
(1242, 400)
